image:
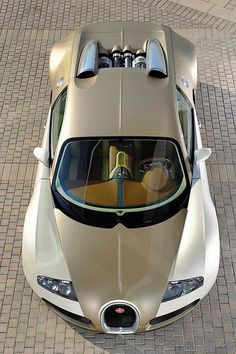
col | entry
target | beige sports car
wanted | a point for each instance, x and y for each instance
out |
(121, 235)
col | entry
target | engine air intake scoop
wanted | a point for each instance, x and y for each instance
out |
(88, 62)
(156, 59)
(94, 56)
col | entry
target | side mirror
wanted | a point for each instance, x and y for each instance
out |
(202, 154)
(42, 155)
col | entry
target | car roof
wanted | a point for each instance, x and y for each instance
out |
(121, 102)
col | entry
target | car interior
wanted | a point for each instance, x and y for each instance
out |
(113, 174)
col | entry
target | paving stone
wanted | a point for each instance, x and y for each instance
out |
(27, 31)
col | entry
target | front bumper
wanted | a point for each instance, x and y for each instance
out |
(155, 323)
(168, 312)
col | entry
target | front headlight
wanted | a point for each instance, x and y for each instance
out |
(60, 287)
(179, 288)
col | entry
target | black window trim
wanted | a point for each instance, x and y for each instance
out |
(50, 126)
(192, 121)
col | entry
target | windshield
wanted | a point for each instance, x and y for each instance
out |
(120, 175)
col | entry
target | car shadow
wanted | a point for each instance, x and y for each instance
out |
(155, 341)
(128, 343)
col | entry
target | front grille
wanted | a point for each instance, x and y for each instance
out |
(125, 319)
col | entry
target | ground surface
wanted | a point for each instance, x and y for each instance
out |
(27, 31)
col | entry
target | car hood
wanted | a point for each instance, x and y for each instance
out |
(120, 264)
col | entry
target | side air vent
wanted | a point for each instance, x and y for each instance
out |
(88, 62)
(156, 60)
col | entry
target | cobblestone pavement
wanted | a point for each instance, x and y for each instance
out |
(223, 8)
(27, 31)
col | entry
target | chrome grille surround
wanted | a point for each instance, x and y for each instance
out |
(119, 330)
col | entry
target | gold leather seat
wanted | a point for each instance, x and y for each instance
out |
(156, 179)
(155, 186)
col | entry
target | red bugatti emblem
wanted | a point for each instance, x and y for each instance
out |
(119, 310)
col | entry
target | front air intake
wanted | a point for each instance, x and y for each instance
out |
(120, 318)
(156, 60)
(88, 62)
